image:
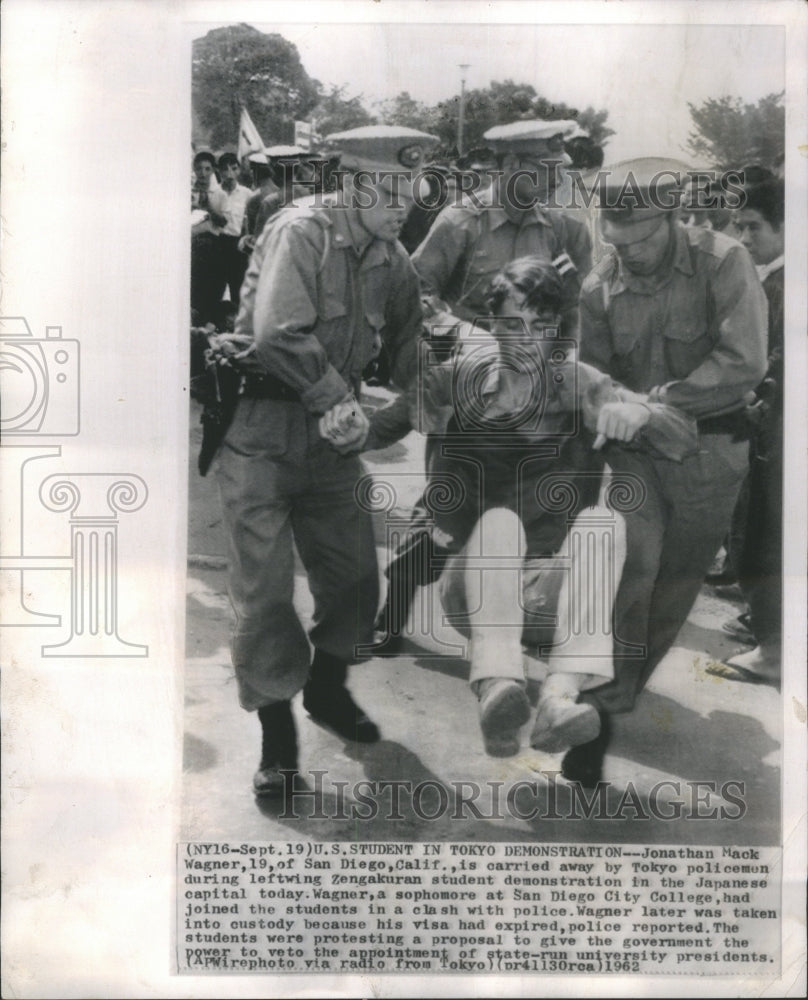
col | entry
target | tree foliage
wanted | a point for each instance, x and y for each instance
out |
(405, 110)
(729, 134)
(334, 112)
(240, 66)
(508, 101)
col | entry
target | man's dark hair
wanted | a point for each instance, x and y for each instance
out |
(205, 157)
(228, 160)
(535, 278)
(769, 199)
(584, 153)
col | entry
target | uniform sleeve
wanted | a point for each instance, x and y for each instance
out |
(669, 432)
(284, 316)
(579, 246)
(402, 332)
(595, 338)
(738, 361)
(269, 205)
(437, 257)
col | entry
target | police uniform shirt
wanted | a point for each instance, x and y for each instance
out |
(471, 242)
(318, 310)
(693, 338)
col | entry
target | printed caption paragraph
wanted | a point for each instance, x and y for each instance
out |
(475, 908)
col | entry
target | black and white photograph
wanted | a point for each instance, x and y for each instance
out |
(404, 569)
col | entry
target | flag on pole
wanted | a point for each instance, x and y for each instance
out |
(249, 141)
(305, 136)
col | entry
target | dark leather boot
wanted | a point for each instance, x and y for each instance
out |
(584, 763)
(329, 702)
(278, 748)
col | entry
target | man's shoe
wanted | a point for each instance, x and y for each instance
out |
(271, 781)
(278, 748)
(504, 709)
(760, 665)
(562, 723)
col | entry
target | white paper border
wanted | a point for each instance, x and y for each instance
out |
(96, 100)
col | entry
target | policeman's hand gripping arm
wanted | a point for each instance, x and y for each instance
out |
(345, 426)
(234, 350)
(620, 422)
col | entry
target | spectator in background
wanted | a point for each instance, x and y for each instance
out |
(760, 224)
(203, 246)
(205, 180)
(264, 185)
(705, 205)
(216, 261)
(433, 195)
(226, 210)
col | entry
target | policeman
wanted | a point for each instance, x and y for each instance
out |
(264, 185)
(676, 314)
(327, 284)
(294, 173)
(474, 239)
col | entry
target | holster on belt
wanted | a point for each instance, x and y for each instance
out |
(734, 423)
(217, 415)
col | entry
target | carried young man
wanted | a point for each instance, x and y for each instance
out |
(521, 424)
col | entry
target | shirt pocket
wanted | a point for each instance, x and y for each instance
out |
(687, 342)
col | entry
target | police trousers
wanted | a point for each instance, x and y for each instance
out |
(282, 488)
(675, 523)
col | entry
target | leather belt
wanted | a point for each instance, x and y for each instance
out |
(268, 387)
(734, 423)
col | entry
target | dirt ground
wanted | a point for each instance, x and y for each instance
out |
(687, 727)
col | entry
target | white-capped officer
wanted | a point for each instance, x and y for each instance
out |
(326, 285)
